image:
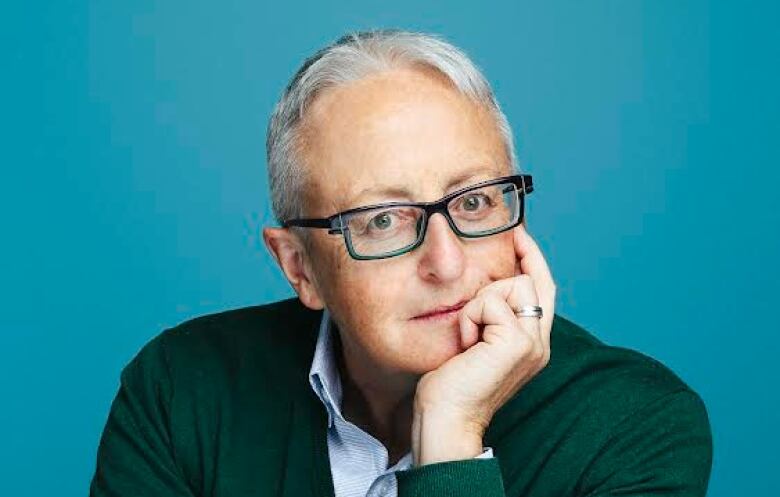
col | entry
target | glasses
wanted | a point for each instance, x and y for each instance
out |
(395, 228)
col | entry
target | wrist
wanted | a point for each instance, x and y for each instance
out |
(444, 436)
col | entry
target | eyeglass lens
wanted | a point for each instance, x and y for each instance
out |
(479, 212)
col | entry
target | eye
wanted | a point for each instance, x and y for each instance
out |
(382, 221)
(388, 221)
(474, 201)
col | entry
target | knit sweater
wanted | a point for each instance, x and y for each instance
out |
(220, 405)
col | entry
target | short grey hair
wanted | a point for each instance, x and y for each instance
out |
(350, 58)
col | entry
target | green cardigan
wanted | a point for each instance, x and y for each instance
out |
(220, 405)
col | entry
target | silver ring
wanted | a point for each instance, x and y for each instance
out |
(530, 311)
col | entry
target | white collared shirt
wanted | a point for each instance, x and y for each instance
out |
(358, 461)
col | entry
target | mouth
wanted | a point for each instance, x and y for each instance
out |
(442, 313)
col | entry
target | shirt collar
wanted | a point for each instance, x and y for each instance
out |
(324, 375)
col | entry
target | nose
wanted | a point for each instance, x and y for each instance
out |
(442, 256)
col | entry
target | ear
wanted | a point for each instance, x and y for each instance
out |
(293, 258)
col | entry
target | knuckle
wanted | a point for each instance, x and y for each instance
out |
(488, 299)
(485, 290)
(523, 345)
(537, 353)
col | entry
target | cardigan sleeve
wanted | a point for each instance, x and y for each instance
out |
(135, 455)
(662, 450)
(461, 478)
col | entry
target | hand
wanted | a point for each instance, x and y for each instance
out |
(455, 403)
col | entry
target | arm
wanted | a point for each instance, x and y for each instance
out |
(664, 449)
(455, 403)
(135, 455)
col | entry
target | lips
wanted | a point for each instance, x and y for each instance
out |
(442, 309)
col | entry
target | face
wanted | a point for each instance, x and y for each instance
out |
(409, 130)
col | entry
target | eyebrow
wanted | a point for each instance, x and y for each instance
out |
(404, 192)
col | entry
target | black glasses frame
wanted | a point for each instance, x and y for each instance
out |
(335, 223)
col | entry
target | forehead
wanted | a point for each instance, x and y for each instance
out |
(398, 135)
(404, 190)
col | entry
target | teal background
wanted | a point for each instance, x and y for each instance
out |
(134, 188)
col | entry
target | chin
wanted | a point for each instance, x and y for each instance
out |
(434, 354)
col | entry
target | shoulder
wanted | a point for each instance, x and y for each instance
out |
(630, 419)
(261, 343)
(578, 356)
(595, 384)
(581, 356)
(601, 414)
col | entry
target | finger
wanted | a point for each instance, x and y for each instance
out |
(517, 291)
(533, 263)
(492, 311)
(492, 315)
(532, 260)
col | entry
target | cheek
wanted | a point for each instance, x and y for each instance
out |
(378, 297)
(366, 291)
(334, 262)
(497, 259)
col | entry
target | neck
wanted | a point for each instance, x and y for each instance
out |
(380, 402)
